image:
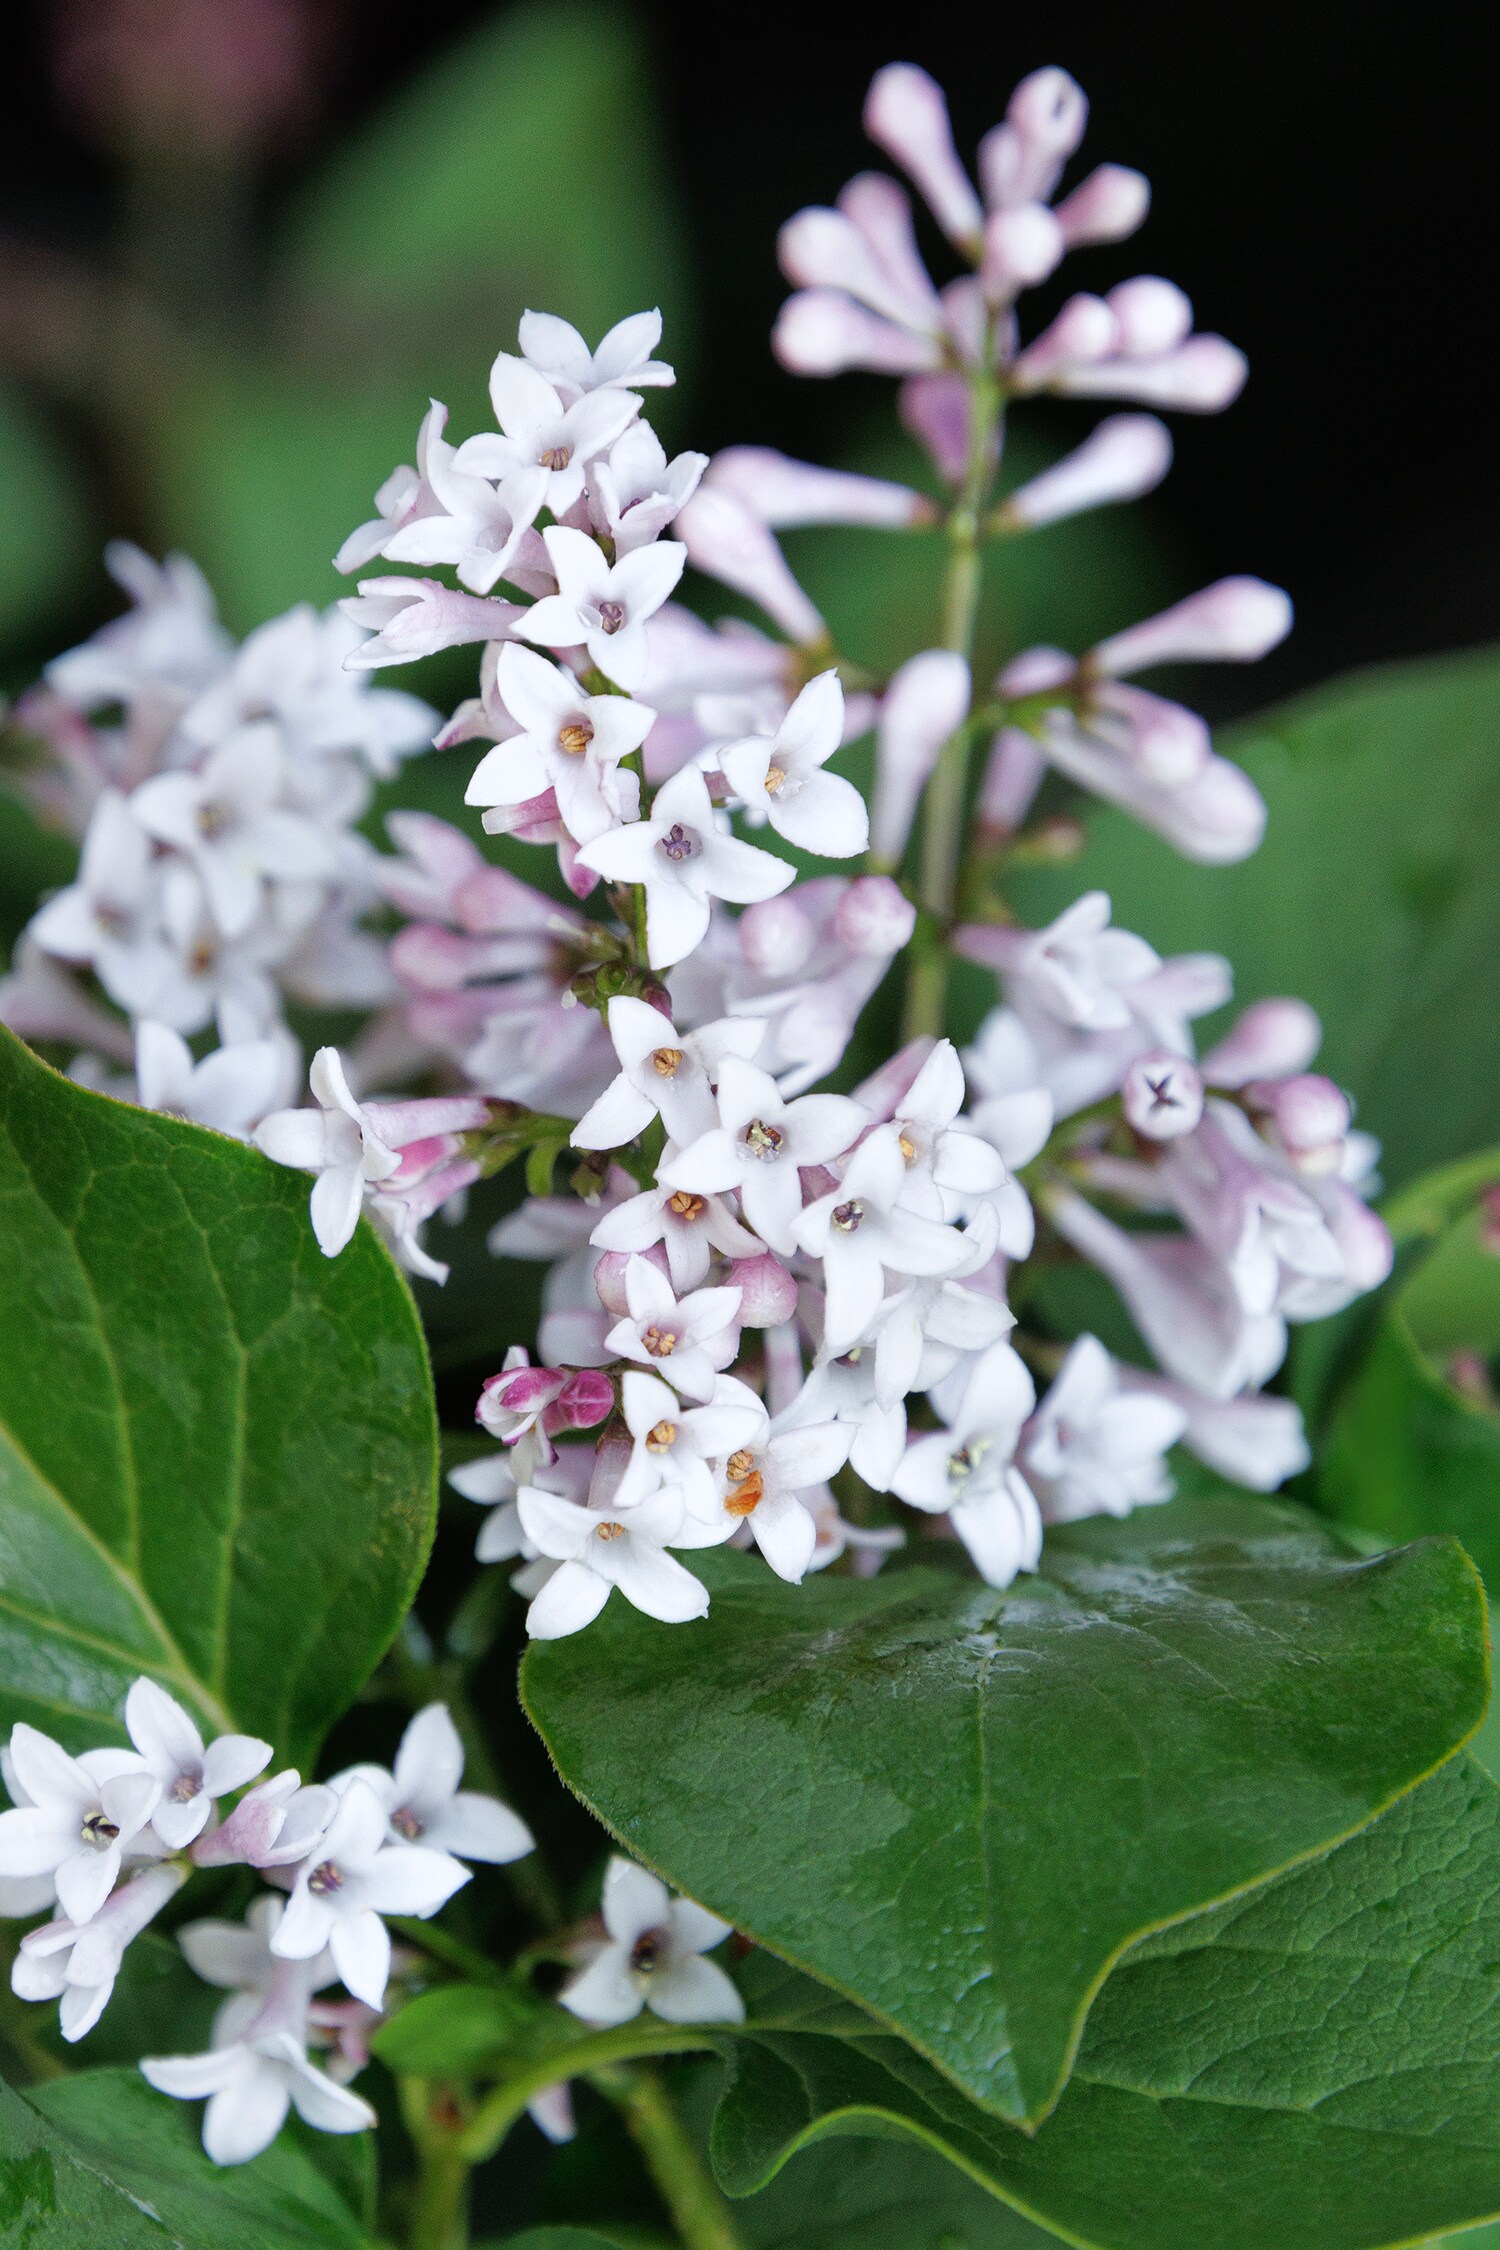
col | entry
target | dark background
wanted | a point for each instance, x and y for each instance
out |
(1325, 188)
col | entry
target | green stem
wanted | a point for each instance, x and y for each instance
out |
(699, 2212)
(943, 812)
(440, 2217)
(504, 2103)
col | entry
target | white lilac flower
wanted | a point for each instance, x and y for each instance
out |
(79, 1818)
(663, 1073)
(687, 1340)
(352, 1876)
(862, 1230)
(635, 492)
(621, 361)
(673, 1444)
(689, 1226)
(229, 820)
(424, 1803)
(303, 670)
(190, 1776)
(923, 1329)
(465, 521)
(758, 1145)
(543, 454)
(76, 1963)
(684, 859)
(168, 642)
(106, 917)
(944, 1166)
(603, 606)
(782, 777)
(231, 1089)
(1095, 1444)
(595, 1551)
(844, 1390)
(1078, 968)
(759, 1487)
(1255, 1440)
(967, 1471)
(570, 742)
(338, 1140)
(257, 2068)
(653, 1958)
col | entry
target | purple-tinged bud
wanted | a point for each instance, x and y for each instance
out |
(925, 702)
(1012, 778)
(1236, 620)
(823, 249)
(1363, 1238)
(768, 1293)
(1272, 1039)
(1309, 1117)
(726, 541)
(1163, 1095)
(1164, 741)
(1044, 122)
(586, 1399)
(885, 1089)
(776, 936)
(874, 917)
(1022, 245)
(1106, 207)
(1036, 671)
(1084, 332)
(1154, 316)
(1203, 376)
(1126, 456)
(610, 1269)
(906, 114)
(411, 617)
(881, 209)
(824, 332)
(935, 409)
(783, 492)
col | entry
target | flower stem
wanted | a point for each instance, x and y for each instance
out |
(699, 2211)
(504, 2103)
(440, 2205)
(943, 811)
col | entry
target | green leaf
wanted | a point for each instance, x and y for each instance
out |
(1373, 895)
(1408, 1451)
(453, 2031)
(960, 1806)
(217, 1447)
(148, 2145)
(51, 2200)
(880, 2196)
(1314, 2066)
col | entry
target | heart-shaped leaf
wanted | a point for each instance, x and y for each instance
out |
(1312, 2066)
(960, 1806)
(217, 1447)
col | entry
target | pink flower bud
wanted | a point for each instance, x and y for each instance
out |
(776, 936)
(411, 617)
(1036, 670)
(1022, 245)
(421, 1129)
(1163, 1095)
(935, 409)
(822, 249)
(1012, 777)
(886, 1088)
(874, 917)
(1127, 455)
(586, 1399)
(1235, 620)
(535, 820)
(609, 1278)
(1165, 741)
(436, 859)
(1153, 314)
(1044, 122)
(1363, 1238)
(768, 1292)
(925, 702)
(1106, 207)
(1084, 332)
(726, 541)
(782, 492)
(1272, 1039)
(881, 209)
(906, 115)
(1309, 1115)
(823, 332)
(1202, 376)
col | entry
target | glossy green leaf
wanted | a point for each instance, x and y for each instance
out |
(1373, 894)
(217, 1447)
(453, 2031)
(50, 2199)
(149, 2146)
(1315, 2066)
(959, 1806)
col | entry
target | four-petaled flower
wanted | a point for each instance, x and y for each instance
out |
(424, 1803)
(653, 1958)
(603, 606)
(191, 1777)
(684, 860)
(686, 1340)
(782, 777)
(77, 1817)
(352, 1877)
(758, 1146)
(570, 742)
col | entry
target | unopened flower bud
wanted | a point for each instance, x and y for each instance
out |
(1106, 207)
(1272, 1039)
(1084, 332)
(1012, 777)
(822, 249)
(1044, 122)
(1022, 245)
(823, 332)
(874, 917)
(776, 936)
(586, 1399)
(768, 1293)
(925, 702)
(725, 540)
(1203, 376)
(1309, 1116)
(1036, 671)
(1235, 620)
(1154, 316)
(936, 409)
(1163, 1096)
(781, 491)
(906, 114)
(1126, 456)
